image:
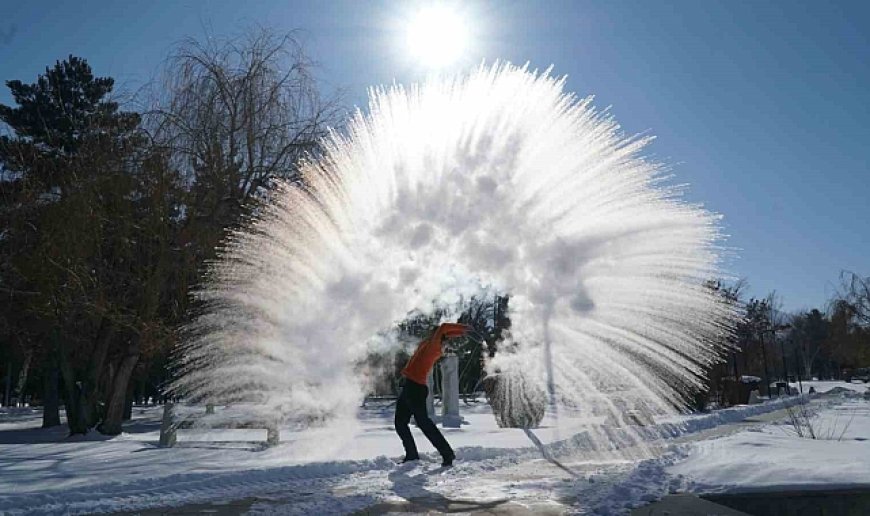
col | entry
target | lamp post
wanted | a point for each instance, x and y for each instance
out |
(798, 367)
(764, 358)
(773, 331)
(784, 364)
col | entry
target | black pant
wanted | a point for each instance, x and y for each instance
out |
(412, 402)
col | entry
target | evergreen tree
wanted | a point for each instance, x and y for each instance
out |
(79, 257)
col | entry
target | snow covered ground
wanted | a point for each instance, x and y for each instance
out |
(827, 385)
(351, 467)
(774, 457)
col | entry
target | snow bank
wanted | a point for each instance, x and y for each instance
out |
(673, 427)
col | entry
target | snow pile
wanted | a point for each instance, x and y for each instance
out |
(673, 427)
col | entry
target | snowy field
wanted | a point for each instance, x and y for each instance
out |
(827, 385)
(774, 457)
(351, 467)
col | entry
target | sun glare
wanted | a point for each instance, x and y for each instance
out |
(436, 36)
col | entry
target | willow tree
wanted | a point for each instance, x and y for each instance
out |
(856, 292)
(234, 115)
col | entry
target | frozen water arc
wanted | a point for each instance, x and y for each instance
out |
(500, 179)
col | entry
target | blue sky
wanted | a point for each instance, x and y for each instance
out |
(762, 108)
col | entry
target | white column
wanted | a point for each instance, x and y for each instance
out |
(450, 391)
(273, 436)
(167, 427)
(430, 399)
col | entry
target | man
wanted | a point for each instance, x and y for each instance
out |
(412, 400)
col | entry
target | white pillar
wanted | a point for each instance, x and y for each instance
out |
(430, 399)
(167, 428)
(273, 435)
(450, 391)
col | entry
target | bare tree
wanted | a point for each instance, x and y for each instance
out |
(855, 290)
(234, 115)
(238, 113)
(809, 331)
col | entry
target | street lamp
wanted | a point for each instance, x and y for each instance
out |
(778, 327)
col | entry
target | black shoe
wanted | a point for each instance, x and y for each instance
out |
(447, 460)
(409, 459)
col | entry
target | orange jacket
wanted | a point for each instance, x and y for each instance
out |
(429, 351)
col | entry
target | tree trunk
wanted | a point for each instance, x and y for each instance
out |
(96, 386)
(50, 401)
(22, 377)
(7, 399)
(128, 402)
(76, 411)
(111, 424)
(809, 360)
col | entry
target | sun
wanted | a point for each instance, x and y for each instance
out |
(436, 36)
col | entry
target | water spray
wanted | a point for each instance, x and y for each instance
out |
(497, 178)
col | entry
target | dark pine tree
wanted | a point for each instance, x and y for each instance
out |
(67, 180)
